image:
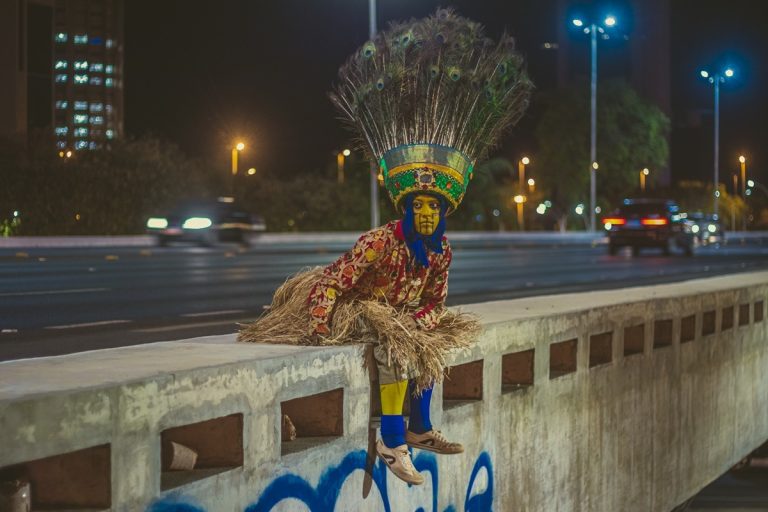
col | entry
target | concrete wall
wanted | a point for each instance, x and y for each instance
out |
(640, 432)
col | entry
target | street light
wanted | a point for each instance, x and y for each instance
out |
(237, 148)
(531, 185)
(743, 162)
(592, 30)
(340, 157)
(521, 172)
(251, 171)
(520, 199)
(645, 172)
(716, 79)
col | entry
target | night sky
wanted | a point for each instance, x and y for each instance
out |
(202, 74)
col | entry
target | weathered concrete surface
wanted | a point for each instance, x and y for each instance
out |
(642, 433)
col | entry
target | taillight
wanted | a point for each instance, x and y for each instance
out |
(615, 221)
(654, 222)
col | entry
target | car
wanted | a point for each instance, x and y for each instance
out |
(205, 222)
(706, 227)
(640, 223)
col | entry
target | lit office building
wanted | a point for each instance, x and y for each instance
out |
(67, 60)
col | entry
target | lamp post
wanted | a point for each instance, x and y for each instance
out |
(374, 165)
(531, 185)
(716, 79)
(340, 158)
(521, 173)
(235, 151)
(520, 200)
(645, 172)
(592, 30)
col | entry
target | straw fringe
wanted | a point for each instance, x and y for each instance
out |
(363, 321)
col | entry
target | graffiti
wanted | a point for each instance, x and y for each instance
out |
(324, 497)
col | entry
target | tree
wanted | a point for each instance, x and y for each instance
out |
(631, 135)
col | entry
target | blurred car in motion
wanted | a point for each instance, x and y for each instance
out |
(706, 227)
(640, 223)
(206, 223)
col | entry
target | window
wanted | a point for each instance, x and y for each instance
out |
(110, 43)
(61, 78)
(81, 105)
(81, 79)
(61, 130)
(109, 69)
(61, 37)
(60, 64)
(110, 109)
(96, 40)
(60, 144)
(97, 119)
(81, 132)
(80, 118)
(96, 107)
(109, 82)
(62, 104)
(97, 67)
(81, 38)
(81, 64)
(93, 145)
(95, 80)
(110, 134)
(81, 144)
(95, 132)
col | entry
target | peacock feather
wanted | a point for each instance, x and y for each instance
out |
(438, 80)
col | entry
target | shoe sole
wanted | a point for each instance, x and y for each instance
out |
(380, 456)
(432, 449)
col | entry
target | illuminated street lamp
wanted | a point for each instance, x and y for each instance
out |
(645, 172)
(716, 79)
(531, 185)
(521, 172)
(235, 150)
(251, 171)
(520, 200)
(593, 29)
(743, 162)
(340, 157)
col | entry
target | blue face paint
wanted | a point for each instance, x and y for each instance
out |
(419, 244)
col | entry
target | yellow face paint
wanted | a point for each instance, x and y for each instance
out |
(426, 214)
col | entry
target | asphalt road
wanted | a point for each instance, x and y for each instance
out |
(57, 301)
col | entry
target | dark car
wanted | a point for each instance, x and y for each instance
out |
(205, 222)
(642, 223)
(706, 227)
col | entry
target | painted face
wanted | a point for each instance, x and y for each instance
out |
(426, 214)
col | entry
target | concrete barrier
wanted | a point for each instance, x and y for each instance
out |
(628, 400)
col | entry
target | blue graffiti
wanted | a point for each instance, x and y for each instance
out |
(482, 502)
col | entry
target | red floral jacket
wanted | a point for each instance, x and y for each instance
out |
(379, 266)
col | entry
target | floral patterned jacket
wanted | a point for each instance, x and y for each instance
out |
(379, 266)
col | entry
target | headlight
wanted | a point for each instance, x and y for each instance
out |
(695, 228)
(711, 228)
(197, 223)
(157, 223)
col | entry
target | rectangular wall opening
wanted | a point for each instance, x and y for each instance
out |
(662, 333)
(79, 480)
(199, 450)
(708, 323)
(600, 349)
(759, 311)
(313, 420)
(562, 358)
(727, 321)
(688, 328)
(634, 340)
(744, 314)
(463, 384)
(517, 371)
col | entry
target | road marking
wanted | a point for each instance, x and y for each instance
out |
(214, 313)
(53, 292)
(88, 324)
(183, 327)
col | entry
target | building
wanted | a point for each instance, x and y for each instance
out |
(65, 63)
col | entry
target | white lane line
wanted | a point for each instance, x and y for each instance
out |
(214, 313)
(88, 324)
(54, 292)
(183, 327)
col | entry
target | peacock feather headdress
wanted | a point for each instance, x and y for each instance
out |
(427, 98)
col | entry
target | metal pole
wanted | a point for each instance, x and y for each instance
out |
(743, 193)
(593, 134)
(717, 140)
(374, 165)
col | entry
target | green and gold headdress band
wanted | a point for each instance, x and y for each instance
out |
(426, 168)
